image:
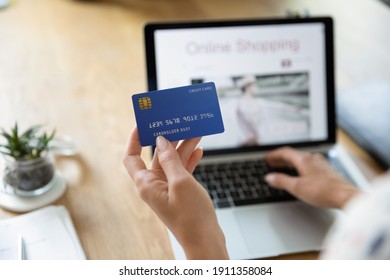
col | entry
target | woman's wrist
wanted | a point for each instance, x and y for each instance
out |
(206, 247)
(207, 251)
(345, 194)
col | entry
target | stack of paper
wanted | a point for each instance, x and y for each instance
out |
(48, 234)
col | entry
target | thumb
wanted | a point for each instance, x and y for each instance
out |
(168, 158)
(282, 181)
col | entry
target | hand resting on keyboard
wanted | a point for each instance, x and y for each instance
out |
(317, 184)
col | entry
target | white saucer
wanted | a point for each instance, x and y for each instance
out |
(24, 203)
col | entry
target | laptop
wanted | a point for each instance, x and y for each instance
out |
(275, 83)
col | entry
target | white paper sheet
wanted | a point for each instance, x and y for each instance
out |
(48, 233)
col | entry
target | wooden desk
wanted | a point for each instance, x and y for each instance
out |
(74, 65)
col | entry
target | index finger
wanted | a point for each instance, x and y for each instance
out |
(287, 156)
(132, 159)
(186, 148)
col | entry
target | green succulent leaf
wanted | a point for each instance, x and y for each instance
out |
(6, 135)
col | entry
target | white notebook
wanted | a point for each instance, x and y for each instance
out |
(48, 234)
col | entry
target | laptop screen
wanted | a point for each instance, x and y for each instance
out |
(274, 78)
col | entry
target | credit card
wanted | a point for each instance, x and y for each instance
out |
(178, 113)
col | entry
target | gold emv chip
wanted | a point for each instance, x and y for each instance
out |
(145, 103)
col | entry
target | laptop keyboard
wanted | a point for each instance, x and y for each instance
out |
(240, 183)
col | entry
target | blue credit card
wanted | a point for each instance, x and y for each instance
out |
(178, 113)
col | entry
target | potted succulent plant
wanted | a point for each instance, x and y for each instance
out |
(29, 166)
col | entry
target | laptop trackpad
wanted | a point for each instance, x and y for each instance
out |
(283, 228)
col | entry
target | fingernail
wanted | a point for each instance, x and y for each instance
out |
(161, 143)
(269, 178)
